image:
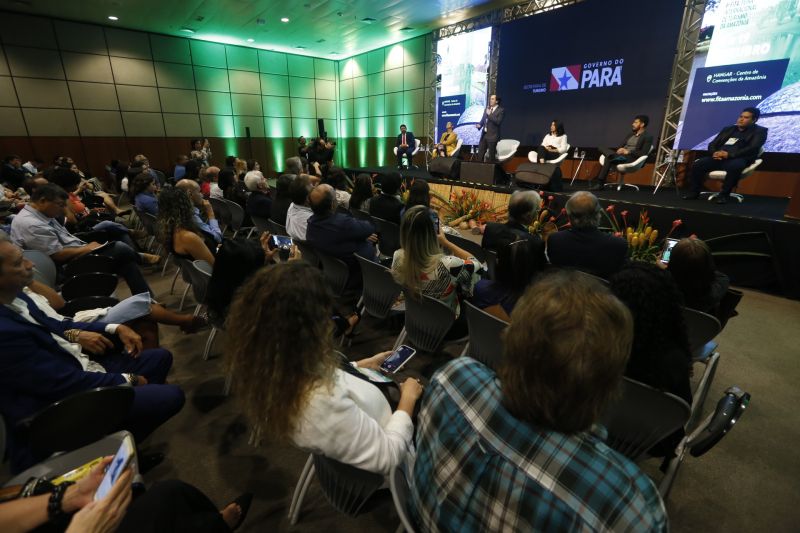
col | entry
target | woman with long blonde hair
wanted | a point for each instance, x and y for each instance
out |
(288, 375)
(421, 266)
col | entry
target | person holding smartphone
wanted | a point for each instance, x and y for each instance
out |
(293, 385)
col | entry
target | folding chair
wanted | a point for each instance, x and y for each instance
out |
(702, 328)
(388, 236)
(346, 487)
(276, 229)
(92, 284)
(221, 211)
(307, 253)
(468, 246)
(88, 264)
(336, 273)
(380, 290)
(236, 220)
(200, 273)
(427, 322)
(485, 333)
(398, 484)
(44, 269)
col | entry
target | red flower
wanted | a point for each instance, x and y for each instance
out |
(611, 208)
(563, 211)
(550, 198)
(617, 234)
(677, 222)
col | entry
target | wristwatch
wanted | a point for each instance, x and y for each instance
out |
(133, 379)
(55, 512)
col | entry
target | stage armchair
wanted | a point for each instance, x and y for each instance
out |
(533, 157)
(719, 175)
(626, 168)
(417, 144)
(506, 148)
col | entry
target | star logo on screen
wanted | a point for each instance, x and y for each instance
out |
(565, 78)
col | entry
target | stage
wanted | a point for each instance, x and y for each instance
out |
(752, 242)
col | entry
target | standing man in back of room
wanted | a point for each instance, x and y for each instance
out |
(492, 118)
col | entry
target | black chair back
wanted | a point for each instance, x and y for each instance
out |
(276, 229)
(361, 215)
(307, 253)
(93, 284)
(388, 236)
(78, 420)
(87, 264)
(701, 328)
(346, 487)
(335, 271)
(380, 289)
(471, 247)
(485, 332)
(427, 321)
(44, 268)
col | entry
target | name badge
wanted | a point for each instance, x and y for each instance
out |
(731, 141)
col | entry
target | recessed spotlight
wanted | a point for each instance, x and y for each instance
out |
(112, 17)
(251, 40)
(300, 47)
(406, 28)
(368, 20)
(260, 22)
(285, 19)
(187, 30)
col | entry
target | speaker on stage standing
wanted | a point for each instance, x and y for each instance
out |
(483, 173)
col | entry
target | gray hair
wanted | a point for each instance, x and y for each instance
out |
(523, 207)
(583, 210)
(253, 179)
(294, 165)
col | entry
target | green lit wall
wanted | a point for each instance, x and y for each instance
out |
(87, 82)
(380, 90)
(67, 79)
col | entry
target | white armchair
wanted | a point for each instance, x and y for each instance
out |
(417, 144)
(719, 175)
(506, 148)
(533, 157)
(626, 168)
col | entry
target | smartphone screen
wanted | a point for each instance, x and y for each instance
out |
(397, 359)
(668, 246)
(115, 469)
(279, 241)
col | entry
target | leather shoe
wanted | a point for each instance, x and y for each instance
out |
(722, 199)
(691, 196)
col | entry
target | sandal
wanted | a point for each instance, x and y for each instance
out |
(243, 501)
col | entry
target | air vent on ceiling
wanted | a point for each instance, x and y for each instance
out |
(321, 41)
(406, 28)
(199, 18)
(368, 20)
(260, 22)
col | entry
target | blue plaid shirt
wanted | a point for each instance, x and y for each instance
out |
(480, 469)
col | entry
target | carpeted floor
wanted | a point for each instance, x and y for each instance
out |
(748, 482)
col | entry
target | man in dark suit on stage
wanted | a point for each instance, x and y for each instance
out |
(42, 359)
(405, 145)
(635, 145)
(583, 246)
(733, 150)
(490, 122)
(523, 208)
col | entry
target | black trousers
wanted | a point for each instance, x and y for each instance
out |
(404, 151)
(612, 160)
(485, 145)
(545, 154)
(704, 165)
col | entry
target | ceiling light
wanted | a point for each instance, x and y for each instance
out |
(285, 19)
(334, 53)
(251, 40)
(368, 20)
(112, 17)
(300, 47)
(187, 30)
(406, 28)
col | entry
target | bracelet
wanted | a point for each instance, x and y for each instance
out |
(72, 335)
(55, 512)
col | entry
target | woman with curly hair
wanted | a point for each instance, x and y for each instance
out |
(176, 227)
(660, 356)
(143, 192)
(294, 383)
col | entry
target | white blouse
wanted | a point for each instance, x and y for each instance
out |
(350, 421)
(559, 142)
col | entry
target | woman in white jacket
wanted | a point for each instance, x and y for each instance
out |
(287, 373)
(554, 143)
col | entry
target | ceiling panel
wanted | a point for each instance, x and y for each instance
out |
(322, 28)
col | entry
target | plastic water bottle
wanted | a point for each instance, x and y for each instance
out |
(576, 156)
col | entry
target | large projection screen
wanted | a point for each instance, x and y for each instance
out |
(748, 55)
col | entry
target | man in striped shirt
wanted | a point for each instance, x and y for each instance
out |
(518, 450)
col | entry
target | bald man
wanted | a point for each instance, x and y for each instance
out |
(209, 226)
(339, 234)
(583, 246)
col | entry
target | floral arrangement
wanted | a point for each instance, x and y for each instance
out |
(465, 210)
(548, 222)
(643, 239)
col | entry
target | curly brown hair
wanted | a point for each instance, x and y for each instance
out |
(280, 321)
(175, 211)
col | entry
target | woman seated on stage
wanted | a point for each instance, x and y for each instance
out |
(421, 267)
(297, 387)
(447, 144)
(177, 229)
(692, 267)
(518, 263)
(554, 143)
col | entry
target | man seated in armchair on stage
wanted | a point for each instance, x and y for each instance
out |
(447, 144)
(635, 145)
(42, 359)
(732, 150)
(405, 145)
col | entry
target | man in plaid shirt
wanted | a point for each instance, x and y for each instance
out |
(518, 450)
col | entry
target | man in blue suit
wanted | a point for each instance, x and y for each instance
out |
(405, 145)
(41, 359)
